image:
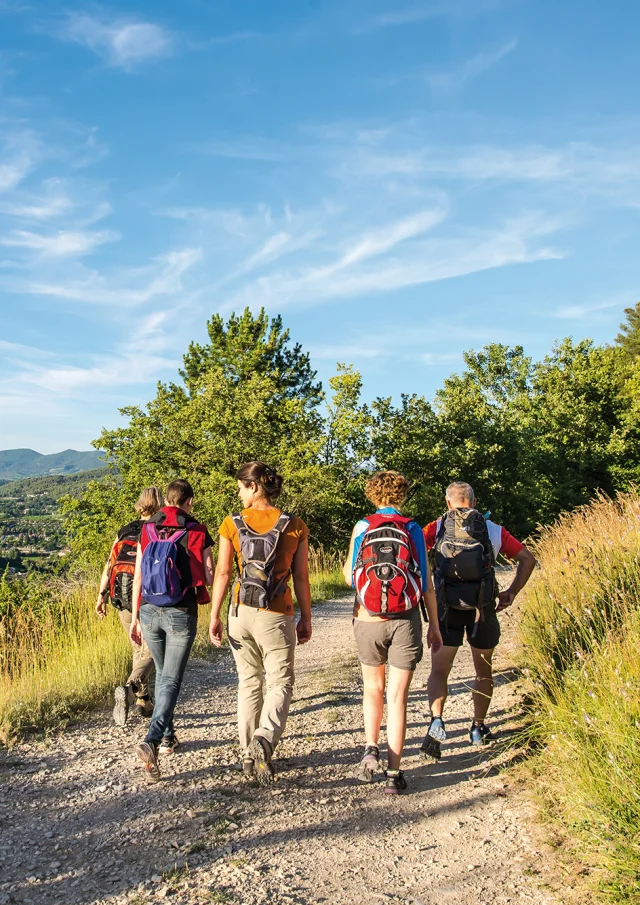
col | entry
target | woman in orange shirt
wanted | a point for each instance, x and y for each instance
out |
(269, 547)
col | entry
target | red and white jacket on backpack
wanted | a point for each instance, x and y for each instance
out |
(501, 540)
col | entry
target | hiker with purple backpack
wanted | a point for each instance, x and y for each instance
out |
(387, 566)
(174, 568)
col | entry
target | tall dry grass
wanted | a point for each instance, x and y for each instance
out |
(580, 634)
(57, 660)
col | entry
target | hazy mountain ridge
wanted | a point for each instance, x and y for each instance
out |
(27, 463)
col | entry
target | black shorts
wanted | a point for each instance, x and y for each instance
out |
(455, 623)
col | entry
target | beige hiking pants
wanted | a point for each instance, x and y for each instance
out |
(263, 645)
(143, 669)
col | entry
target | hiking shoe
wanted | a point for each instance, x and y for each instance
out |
(169, 744)
(260, 751)
(395, 783)
(147, 752)
(144, 705)
(436, 729)
(369, 765)
(479, 735)
(430, 748)
(247, 768)
(123, 696)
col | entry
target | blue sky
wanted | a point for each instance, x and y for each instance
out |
(400, 179)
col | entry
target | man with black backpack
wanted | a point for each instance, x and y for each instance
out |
(116, 586)
(466, 545)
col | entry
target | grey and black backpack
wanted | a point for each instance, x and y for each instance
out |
(464, 574)
(258, 585)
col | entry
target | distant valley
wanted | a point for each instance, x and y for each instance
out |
(27, 463)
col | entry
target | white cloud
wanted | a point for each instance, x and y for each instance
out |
(435, 9)
(21, 151)
(577, 312)
(470, 69)
(162, 277)
(64, 243)
(121, 43)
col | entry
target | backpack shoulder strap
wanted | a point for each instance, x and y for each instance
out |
(238, 521)
(151, 531)
(282, 522)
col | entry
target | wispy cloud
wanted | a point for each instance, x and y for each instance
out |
(63, 243)
(434, 9)
(445, 82)
(123, 43)
(578, 312)
(161, 278)
(255, 149)
(20, 152)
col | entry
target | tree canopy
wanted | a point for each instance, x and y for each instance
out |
(533, 438)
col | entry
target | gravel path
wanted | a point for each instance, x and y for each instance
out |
(79, 823)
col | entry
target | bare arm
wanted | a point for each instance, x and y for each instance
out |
(346, 569)
(101, 606)
(526, 564)
(135, 632)
(300, 574)
(207, 561)
(224, 571)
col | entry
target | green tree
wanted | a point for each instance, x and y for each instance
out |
(484, 434)
(629, 337)
(236, 404)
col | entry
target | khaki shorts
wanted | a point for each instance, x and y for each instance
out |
(396, 641)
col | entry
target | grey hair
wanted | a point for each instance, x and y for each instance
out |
(460, 490)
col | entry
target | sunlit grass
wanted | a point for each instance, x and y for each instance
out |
(581, 639)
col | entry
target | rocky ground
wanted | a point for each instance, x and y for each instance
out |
(81, 825)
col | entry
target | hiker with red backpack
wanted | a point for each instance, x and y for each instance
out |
(174, 569)
(116, 584)
(387, 566)
(466, 545)
(270, 547)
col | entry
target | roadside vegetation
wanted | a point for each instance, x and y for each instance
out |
(57, 660)
(580, 634)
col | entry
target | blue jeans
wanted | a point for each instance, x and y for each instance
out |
(169, 633)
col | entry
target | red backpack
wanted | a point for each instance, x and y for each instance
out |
(122, 565)
(386, 575)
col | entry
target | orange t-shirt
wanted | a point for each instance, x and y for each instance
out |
(263, 520)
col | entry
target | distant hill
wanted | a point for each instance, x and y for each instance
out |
(50, 487)
(27, 463)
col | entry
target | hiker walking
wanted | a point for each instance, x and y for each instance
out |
(174, 568)
(387, 566)
(269, 547)
(466, 545)
(116, 584)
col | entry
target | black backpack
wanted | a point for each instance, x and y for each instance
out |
(464, 574)
(257, 582)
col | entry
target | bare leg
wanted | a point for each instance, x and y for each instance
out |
(372, 701)
(397, 694)
(441, 663)
(483, 684)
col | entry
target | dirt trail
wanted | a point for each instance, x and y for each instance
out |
(79, 824)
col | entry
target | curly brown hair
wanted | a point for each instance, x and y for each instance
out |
(387, 488)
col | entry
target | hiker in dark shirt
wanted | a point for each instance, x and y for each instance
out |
(165, 607)
(116, 585)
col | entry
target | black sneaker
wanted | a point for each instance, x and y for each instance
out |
(147, 752)
(369, 765)
(395, 783)
(260, 751)
(430, 748)
(169, 744)
(479, 735)
(124, 696)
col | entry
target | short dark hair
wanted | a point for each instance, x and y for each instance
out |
(263, 475)
(178, 492)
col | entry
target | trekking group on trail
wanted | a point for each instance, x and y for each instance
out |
(161, 568)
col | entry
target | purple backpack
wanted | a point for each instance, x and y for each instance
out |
(160, 574)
